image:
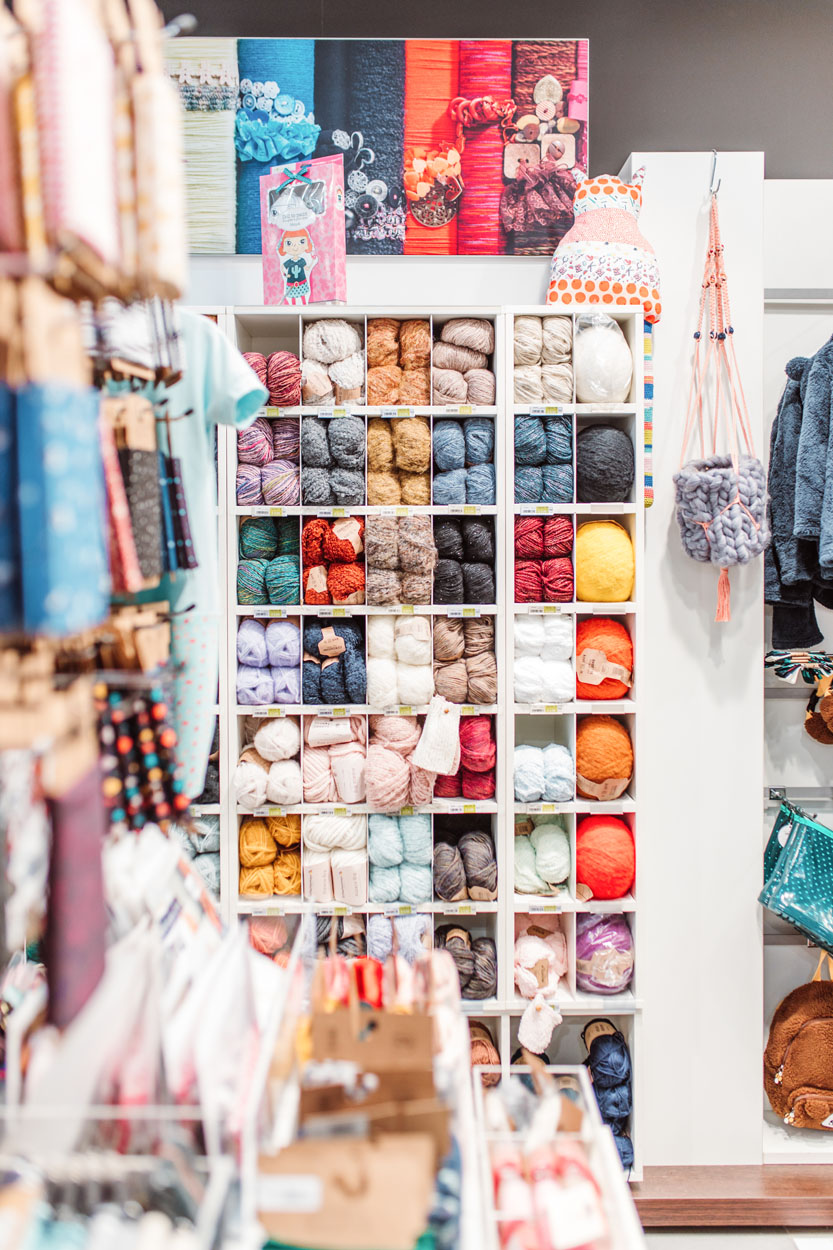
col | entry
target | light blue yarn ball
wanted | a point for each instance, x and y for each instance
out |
(557, 481)
(450, 487)
(416, 883)
(384, 841)
(559, 774)
(449, 446)
(481, 484)
(480, 440)
(384, 885)
(530, 441)
(417, 842)
(529, 484)
(529, 774)
(559, 436)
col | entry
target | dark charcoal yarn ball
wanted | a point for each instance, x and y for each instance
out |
(448, 582)
(604, 465)
(479, 538)
(478, 583)
(448, 538)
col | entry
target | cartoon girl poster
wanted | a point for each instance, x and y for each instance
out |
(302, 226)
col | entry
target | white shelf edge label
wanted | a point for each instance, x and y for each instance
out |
(466, 612)
(545, 410)
(331, 512)
(260, 610)
(397, 909)
(463, 410)
(323, 609)
(329, 413)
(392, 413)
(604, 507)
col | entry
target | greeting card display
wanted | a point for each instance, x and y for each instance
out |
(302, 229)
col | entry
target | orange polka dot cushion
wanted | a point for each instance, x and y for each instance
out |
(605, 259)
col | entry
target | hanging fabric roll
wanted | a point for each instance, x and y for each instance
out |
(377, 99)
(485, 70)
(432, 73)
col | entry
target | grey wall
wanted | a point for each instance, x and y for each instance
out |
(665, 75)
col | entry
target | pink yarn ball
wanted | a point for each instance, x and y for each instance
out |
(319, 785)
(280, 483)
(254, 444)
(388, 779)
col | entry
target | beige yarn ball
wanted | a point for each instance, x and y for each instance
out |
(415, 386)
(383, 489)
(480, 386)
(379, 440)
(528, 340)
(473, 332)
(557, 383)
(412, 444)
(416, 493)
(316, 385)
(330, 340)
(449, 387)
(450, 356)
(528, 385)
(557, 340)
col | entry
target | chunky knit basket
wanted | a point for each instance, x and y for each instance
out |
(721, 499)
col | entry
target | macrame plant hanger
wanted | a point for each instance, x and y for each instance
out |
(721, 499)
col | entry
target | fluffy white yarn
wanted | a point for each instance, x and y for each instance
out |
(529, 773)
(323, 833)
(557, 383)
(603, 364)
(552, 853)
(330, 340)
(527, 877)
(415, 683)
(249, 784)
(529, 633)
(283, 783)
(348, 373)
(528, 673)
(558, 637)
(382, 683)
(380, 635)
(557, 681)
(278, 739)
(413, 640)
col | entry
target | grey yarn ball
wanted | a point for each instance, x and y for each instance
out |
(315, 449)
(347, 486)
(347, 442)
(604, 465)
(315, 486)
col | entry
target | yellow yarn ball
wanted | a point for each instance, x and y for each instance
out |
(604, 563)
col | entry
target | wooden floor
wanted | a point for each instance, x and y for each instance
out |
(736, 1197)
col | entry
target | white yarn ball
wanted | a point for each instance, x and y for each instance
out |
(349, 877)
(415, 683)
(557, 642)
(603, 364)
(330, 340)
(528, 340)
(529, 774)
(384, 885)
(278, 739)
(417, 842)
(323, 833)
(382, 684)
(529, 671)
(416, 883)
(348, 761)
(557, 681)
(324, 894)
(283, 783)
(527, 878)
(380, 634)
(528, 385)
(557, 383)
(529, 633)
(557, 341)
(384, 841)
(249, 784)
(559, 784)
(413, 640)
(552, 853)
(348, 373)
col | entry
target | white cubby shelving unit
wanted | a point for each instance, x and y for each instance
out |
(270, 329)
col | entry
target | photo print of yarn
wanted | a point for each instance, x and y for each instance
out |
(449, 147)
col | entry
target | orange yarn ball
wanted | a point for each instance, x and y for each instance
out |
(383, 384)
(344, 539)
(312, 541)
(345, 583)
(315, 585)
(604, 758)
(600, 633)
(605, 856)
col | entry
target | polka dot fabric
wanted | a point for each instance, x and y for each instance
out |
(605, 259)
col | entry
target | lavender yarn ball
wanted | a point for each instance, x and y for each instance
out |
(254, 444)
(251, 644)
(315, 486)
(479, 434)
(347, 439)
(450, 487)
(258, 538)
(481, 484)
(286, 684)
(283, 644)
(254, 686)
(283, 580)
(604, 953)
(347, 486)
(251, 582)
(280, 483)
(286, 439)
(249, 494)
(557, 482)
(315, 446)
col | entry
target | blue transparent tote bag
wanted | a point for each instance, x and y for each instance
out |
(798, 874)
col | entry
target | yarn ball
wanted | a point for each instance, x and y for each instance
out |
(382, 344)
(283, 378)
(451, 680)
(381, 541)
(449, 446)
(268, 934)
(259, 881)
(330, 340)
(258, 539)
(316, 387)
(251, 644)
(315, 487)
(604, 965)
(254, 686)
(605, 465)
(312, 541)
(529, 537)
(449, 873)
(529, 581)
(283, 644)
(289, 543)
(480, 386)
(413, 640)
(416, 489)
(481, 484)
(347, 441)
(543, 681)
(557, 483)
(484, 1053)
(449, 386)
(556, 339)
(530, 441)
(529, 484)
(287, 872)
(315, 446)
(610, 640)
(605, 857)
(477, 851)
(552, 853)
(478, 583)
(528, 773)
(609, 1058)
(604, 563)
(529, 635)
(448, 582)
(559, 436)
(382, 684)
(345, 582)
(481, 671)
(448, 538)
(248, 489)
(479, 635)
(383, 384)
(450, 488)
(528, 340)
(249, 778)
(379, 442)
(254, 444)
(384, 885)
(383, 586)
(527, 384)
(251, 582)
(604, 757)
(557, 383)
(257, 362)
(449, 639)
(411, 933)
(280, 483)
(557, 578)
(479, 433)
(342, 541)
(602, 362)
(526, 876)
(557, 537)
(286, 685)
(256, 846)
(347, 486)
(483, 981)
(559, 774)
(415, 386)
(278, 739)
(615, 1103)
(414, 344)
(286, 439)
(473, 332)
(448, 786)
(388, 779)
(384, 843)
(412, 444)
(415, 883)
(460, 359)
(283, 784)
(380, 637)
(416, 834)
(417, 553)
(283, 580)
(558, 638)
(478, 538)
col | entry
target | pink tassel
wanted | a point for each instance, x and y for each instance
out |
(724, 612)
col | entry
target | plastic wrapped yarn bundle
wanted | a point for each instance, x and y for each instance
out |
(605, 856)
(604, 465)
(602, 360)
(604, 659)
(543, 681)
(604, 954)
(604, 758)
(537, 956)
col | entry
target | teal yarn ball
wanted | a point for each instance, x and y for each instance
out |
(449, 446)
(529, 484)
(251, 582)
(258, 539)
(559, 436)
(557, 483)
(481, 484)
(479, 434)
(289, 536)
(283, 580)
(530, 441)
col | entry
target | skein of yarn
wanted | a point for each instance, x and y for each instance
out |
(604, 758)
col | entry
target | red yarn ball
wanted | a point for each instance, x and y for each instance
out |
(316, 589)
(558, 537)
(605, 856)
(338, 547)
(600, 633)
(448, 786)
(529, 581)
(346, 582)
(529, 537)
(558, 580)
(477, 785)
(478, 749)
(284, 379)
